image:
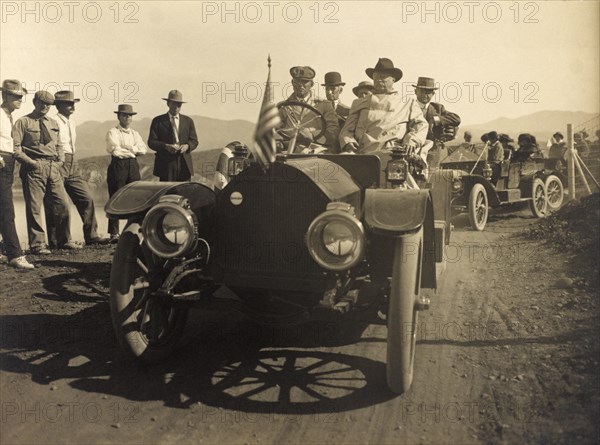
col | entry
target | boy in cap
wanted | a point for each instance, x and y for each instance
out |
(385, 114)
(173, 138)
(75, 186)
(302, 82)
(124, 144)
(12, 97)
(35, 140)
(364, 88)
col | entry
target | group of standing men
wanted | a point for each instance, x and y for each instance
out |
(46, 148)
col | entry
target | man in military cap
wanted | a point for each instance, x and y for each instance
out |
(36, 148)
(302, 82)
(385, 114)
(12, 97)
(333, 88)
(75, 186)
(364, 88)
(173, 138)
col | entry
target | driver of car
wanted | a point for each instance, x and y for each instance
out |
(291, 116)
(384, 115)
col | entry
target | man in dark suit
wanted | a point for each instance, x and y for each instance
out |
(443, 124)
(333, 88)
(173, 138)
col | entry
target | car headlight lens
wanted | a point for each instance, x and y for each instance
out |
(397, 170)
(170, 228)
(336, 238)
(457, 185)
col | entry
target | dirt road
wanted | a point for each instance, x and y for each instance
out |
(508, 353)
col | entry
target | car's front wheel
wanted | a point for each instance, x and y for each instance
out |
(478, 207)
(146, 326)
(402, 314)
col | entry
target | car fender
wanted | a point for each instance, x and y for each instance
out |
(138, 197)
(393, 213)
(470, 180)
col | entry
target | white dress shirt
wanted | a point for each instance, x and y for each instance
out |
(66, 134)
(124, 143)
(6, 140)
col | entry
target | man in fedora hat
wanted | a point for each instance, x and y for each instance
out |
(12, 97)
(385, 114)
(124, 144)
(75, 185)
(36, 148)
(173, 138)
(442, 123)
(364, 88)
(302, 82)
(333, 88)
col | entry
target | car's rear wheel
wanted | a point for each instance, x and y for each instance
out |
(402, 314)
(478, 207)
(147, 327)
(539, 201)
(555, 192)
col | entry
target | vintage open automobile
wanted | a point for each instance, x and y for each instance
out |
(308, 233)
(537, 181)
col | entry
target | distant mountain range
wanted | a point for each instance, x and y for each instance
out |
(542, 125)
(215, 133)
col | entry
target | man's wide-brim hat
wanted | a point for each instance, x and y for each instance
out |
(333, 79)
(65, 96)
(175, 96)
(425, 83)
(385, 66)
(125, 109)
(14, 87)
(364, 85)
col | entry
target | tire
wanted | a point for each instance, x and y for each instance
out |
(153, 340)
(402, 314)
(555, 192)
(478, 207)
(539, 202)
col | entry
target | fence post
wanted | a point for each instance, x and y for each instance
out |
(571, 161)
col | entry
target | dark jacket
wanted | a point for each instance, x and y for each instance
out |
(161, 134)
(438, 118)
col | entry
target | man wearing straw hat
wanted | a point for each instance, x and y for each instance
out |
(173, 138)
(75, 185)
(12, 97)
(124, 144)
(384, 115)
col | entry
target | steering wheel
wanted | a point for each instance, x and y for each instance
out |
(295, 121)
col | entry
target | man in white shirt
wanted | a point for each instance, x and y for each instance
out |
(12, 97)
(124, 144)
(75, 185)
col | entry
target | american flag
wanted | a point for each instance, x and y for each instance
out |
(268, 120)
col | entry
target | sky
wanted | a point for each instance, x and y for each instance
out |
(490, 59)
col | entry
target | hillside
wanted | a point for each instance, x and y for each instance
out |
(542, 124)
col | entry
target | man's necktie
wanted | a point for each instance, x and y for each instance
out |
(45, 136)
(175, 129)
(69, 123)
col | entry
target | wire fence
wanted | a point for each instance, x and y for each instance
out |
(585, 172)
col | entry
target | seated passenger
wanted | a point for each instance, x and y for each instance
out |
(556, 146)
(302, 82)
(375, 119)
(509, 149)
(495, 154)
(364, 88)
(528, 148)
